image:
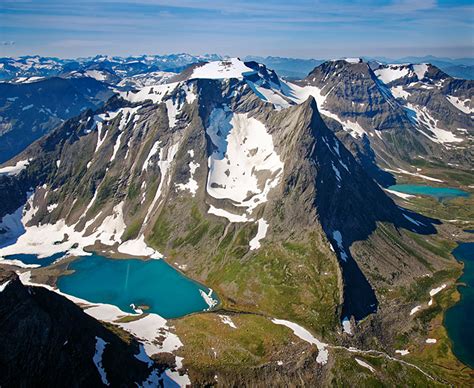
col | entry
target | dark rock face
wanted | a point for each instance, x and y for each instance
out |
(30, 110)
(397, 110)
(48, 341)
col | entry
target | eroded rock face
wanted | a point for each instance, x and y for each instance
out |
(401, 111)
(47, 340)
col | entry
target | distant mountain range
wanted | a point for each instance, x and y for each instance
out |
(291, 68)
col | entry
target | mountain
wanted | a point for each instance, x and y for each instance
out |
(33, 66)
(460, 71)
(458, 68)
(29, 110)
(239, 177)
(36, 66)
(190, 146)
(384, 127)
(438, 105)
(48, 340)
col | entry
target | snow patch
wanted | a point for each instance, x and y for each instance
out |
(412, 220)
(261, 233)
(420, 70)
(192, 184)
(346, 326)
(210, 301)
(99, 351)
(399, 92)
(154, 149)
(4, 285)
(434, 291)
(399, 194)
(231, 68)
(365, 365)
(402, 352)
(400, 171)
(463, 106)
(305, 335)
(424, 119)
(16, 169)
(337, 236)
(230, 216)
(138, 247)
(155, 93)
(227, 321)
(391, 73)
(244, 165)
(415, 310)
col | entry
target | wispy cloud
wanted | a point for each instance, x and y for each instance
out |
(276, 27)
(409, 6)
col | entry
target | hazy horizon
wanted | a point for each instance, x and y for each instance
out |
(303, 29)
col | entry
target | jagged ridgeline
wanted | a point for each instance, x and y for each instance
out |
(226, 169)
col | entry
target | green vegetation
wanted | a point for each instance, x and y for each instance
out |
(296, 281)
(160, 234)
(388, 373)
(132, 230)
(211, 344)
(105, 191)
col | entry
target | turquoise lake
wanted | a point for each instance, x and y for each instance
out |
(459, 319)
(121, 282)
(438, 192)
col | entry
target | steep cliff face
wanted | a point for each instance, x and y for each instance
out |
(440, 107)
(47, 340)
(395, 113)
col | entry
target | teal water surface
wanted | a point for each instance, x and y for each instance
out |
(438, 192)
(459, 319)
(121, 282)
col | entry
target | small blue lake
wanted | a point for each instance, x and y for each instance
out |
(121, 282)
(33, 259)
(459, 319)
(439, 193)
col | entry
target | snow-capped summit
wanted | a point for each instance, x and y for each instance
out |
(229, 68)
(353, 60)
(414, 72)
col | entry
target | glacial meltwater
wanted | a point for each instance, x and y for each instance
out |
(459, 320)
(439, 193)
(123, 282)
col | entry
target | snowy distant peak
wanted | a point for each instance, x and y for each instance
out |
(353, 60)
(99, 75)
(346, 61)
(28, 66)
(408, 73)
(225, 69)
(147, 79)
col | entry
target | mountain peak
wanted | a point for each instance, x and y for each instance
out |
(224, 69)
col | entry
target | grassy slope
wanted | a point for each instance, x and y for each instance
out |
(298, 281)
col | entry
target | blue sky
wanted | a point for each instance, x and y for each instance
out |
(298, 28)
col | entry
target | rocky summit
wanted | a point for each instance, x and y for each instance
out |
(272, 193)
